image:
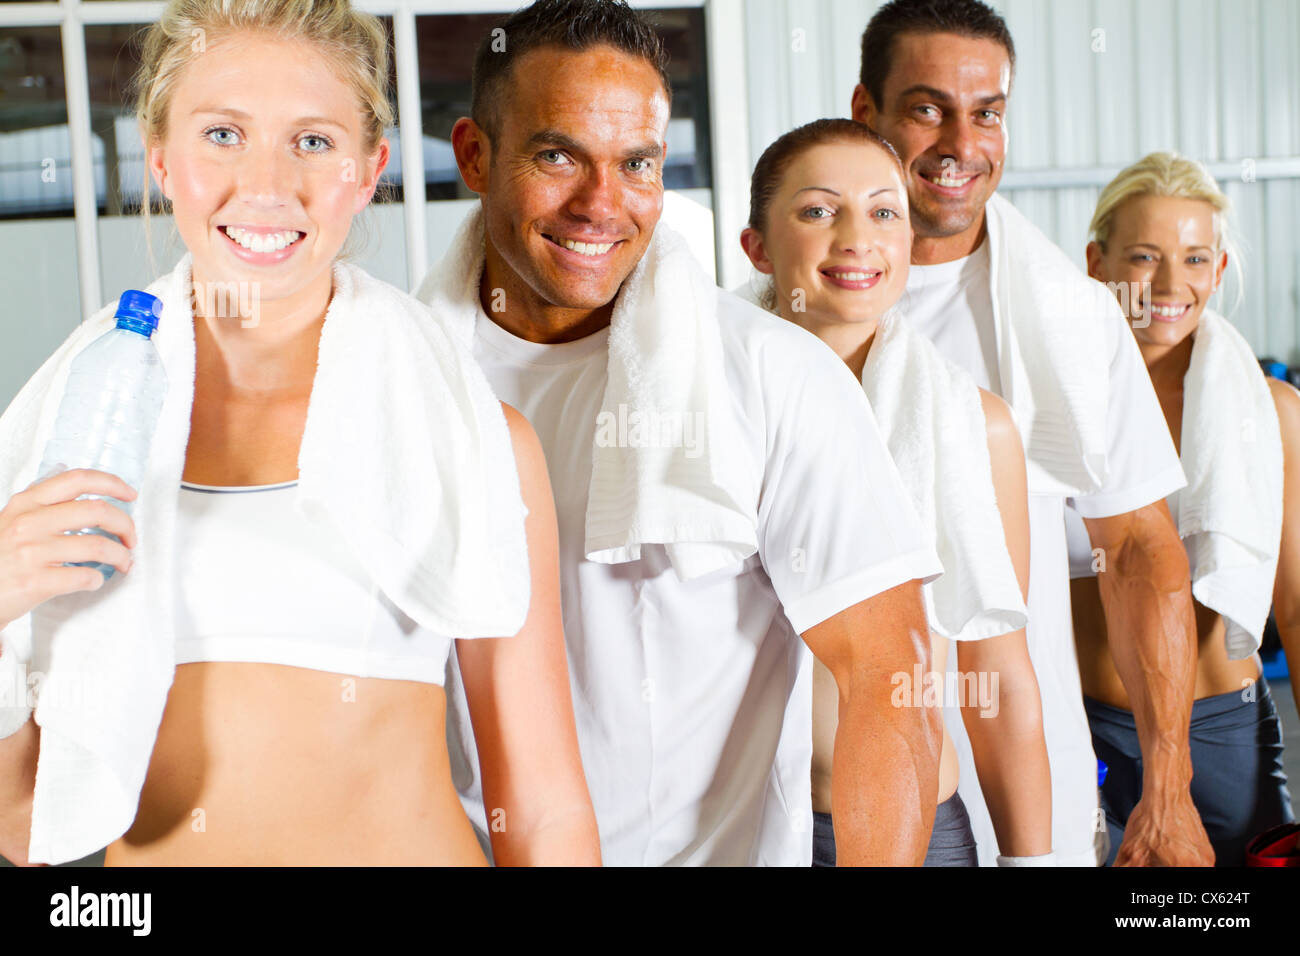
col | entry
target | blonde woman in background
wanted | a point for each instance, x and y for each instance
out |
(1160, 239)
(305, 716)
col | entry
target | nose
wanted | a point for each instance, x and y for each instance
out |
(853, 233)
(267, 177)
(1168, 276)
(596, 196)
(958, 139)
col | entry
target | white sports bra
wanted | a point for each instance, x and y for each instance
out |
(261, 583)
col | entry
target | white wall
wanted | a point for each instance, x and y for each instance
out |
(1218, 80)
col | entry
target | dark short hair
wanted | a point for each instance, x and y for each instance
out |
(776, 159)
(573, 24)
(968, 18)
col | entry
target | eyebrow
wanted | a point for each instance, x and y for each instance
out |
(1152, 245)
(300, 121)
(553, 137)
(937, 94)
(827, 189)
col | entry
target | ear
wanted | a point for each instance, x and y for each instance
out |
(156, 159)
(375, 166)
(751, 240)
(863, 109)
(473, 150)
(1094, 254)
(1219, 268)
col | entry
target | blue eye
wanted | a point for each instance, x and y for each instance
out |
(816, 212)
(887, 214)
(210, 131)
(322, 139)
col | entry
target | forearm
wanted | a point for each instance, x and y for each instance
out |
(18, 754)
(566, 836)
(1010, 756)
(884, 783)
(1152, 638)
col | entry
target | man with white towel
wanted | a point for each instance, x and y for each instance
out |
(709, 514)
(997, 297)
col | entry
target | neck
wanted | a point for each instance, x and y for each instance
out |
(851, 341)
(1167, 364)
(254, 345)
(933, 250)
(516, 307)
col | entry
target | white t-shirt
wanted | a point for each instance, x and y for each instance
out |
(681, 690)
(951, 303)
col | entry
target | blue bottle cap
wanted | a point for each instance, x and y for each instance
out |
(139, 311)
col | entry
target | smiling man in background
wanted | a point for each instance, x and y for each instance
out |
(998, 298)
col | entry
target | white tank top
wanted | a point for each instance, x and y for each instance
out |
(261, 583)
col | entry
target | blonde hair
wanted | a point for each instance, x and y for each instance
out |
(353, 42)
(1172, 176)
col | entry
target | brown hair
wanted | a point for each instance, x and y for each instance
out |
(354, 43)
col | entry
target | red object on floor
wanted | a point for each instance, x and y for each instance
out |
(1279, 846)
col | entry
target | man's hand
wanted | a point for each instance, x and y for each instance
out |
(1165, 832)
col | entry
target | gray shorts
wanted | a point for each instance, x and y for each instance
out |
(951, 841)
(1238, 784)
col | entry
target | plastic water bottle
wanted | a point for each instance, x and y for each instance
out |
(110, 406)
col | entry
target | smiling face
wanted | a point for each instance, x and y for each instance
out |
(1167, 249)
(572, 183)
(837, 239)
(264, 187)
(944, 111)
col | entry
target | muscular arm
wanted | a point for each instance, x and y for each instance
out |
(521, 708)
(1007, 738)
(1147, 599)
(885, 777)
(1286, 587)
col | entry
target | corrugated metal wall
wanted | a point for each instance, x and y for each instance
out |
(1099, 84)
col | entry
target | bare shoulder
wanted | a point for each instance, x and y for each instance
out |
(1003, 436)
(530, 460)
(1287, 400)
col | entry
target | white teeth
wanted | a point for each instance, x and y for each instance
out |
(262, 243)
(853, 276)
(587, 248)
(949, 183)
(1169, 311)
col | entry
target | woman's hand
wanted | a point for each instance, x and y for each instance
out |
(33, 547)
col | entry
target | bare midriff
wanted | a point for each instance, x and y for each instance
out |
(265, 764)
(1215, 673)
(826, 709)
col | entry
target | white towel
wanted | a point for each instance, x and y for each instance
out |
(1230, 514)
(1050, 321)
(665, 370)
(406, 454)
(933, 421)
